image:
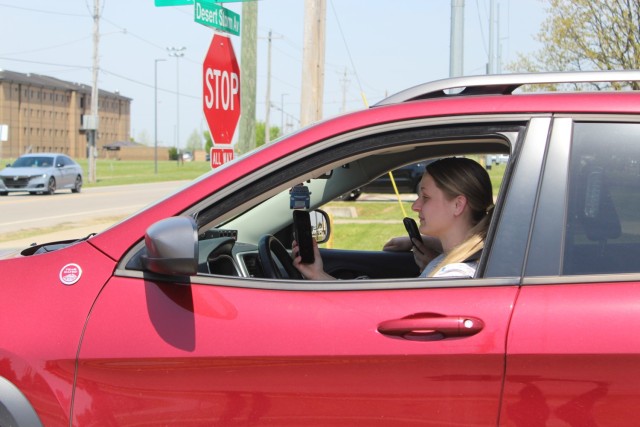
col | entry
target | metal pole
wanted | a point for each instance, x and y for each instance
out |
(155, 113)
(492, 38)
(456, 68)
(177, 52)
(267, 134)
(282, 113)
(93, 132)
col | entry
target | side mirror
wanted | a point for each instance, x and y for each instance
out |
(172, 247)
(320, 225)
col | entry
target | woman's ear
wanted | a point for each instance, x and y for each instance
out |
(460, 202)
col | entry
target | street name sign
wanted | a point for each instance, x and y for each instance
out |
(173, 2)
(213, 15)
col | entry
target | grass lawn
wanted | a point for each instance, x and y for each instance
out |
(373, 225)
(116, 172)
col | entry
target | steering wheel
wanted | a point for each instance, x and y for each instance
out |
(272, 254)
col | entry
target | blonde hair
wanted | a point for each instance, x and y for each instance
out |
(459, 176)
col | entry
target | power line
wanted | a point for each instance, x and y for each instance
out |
(48, 12)
(105, 71)
(346, 45)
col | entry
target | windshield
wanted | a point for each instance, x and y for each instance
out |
(33, 162)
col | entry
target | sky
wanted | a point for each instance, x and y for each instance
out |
(374, 48)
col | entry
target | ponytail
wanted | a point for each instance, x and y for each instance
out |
(470, 246)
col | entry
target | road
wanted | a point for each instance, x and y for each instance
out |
(26, 219)
(98, 207)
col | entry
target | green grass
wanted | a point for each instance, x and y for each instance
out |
(373, 225)
(365, 236)
(115, 172)
(122, 172)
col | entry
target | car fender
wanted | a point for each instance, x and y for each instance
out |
(15, 408)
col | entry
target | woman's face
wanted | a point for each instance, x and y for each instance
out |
(435, 211)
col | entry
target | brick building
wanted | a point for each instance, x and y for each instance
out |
(45, 114)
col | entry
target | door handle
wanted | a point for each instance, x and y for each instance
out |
(431, 327)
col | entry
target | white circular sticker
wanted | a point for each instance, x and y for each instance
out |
(70, 274)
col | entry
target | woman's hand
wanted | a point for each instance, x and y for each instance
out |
(313, 271)
(425, 250)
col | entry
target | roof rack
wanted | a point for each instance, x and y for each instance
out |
(503, 84)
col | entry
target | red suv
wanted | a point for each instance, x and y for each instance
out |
(189, 312)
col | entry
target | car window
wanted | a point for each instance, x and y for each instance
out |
(603, 221)
(368, 222)
(32, 161)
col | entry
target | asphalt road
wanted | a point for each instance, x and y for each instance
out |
(21, 212)
(65, 215)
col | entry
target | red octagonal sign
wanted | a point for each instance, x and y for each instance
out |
(221, 100)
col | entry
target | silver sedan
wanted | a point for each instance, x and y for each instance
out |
(41, 173)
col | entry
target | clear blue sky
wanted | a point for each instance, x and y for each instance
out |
(382, 46)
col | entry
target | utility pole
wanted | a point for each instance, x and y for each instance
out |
(248, 65)
(155, 114)
(315, 12)
(93, 127)
(267, 110)
(267, 123)
(177, 52)
(282, 95)
(491, 69)
(456, 55)
(345, 83)
(499, 42)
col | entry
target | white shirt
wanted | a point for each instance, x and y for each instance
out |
(456, 269)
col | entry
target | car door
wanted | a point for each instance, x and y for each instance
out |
(213, 350)
(61, 171)
(207, 354)
(573, 351)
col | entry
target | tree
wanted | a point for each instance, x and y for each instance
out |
(208, 142)
(273, 134)
(194, 142)
(143, 138)
(587, 35)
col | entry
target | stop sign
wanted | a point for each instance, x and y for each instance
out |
(221, 89)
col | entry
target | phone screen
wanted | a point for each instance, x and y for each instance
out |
(302, 234)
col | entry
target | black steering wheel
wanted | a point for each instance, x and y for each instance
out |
(276, 262)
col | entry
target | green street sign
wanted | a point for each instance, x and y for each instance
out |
(212, 15)
(173, 2)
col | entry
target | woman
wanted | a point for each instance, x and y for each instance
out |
(454, 205)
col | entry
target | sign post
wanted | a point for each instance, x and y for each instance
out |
(221, 89)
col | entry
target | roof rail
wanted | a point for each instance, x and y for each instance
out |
(503, 84)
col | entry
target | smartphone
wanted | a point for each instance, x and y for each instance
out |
(302, 234)
(412, 229)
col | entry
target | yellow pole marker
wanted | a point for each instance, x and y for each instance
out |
(395, 189)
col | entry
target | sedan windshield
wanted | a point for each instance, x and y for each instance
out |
(33, 162)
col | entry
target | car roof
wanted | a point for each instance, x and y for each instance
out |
(43, 155)
(505, 84)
